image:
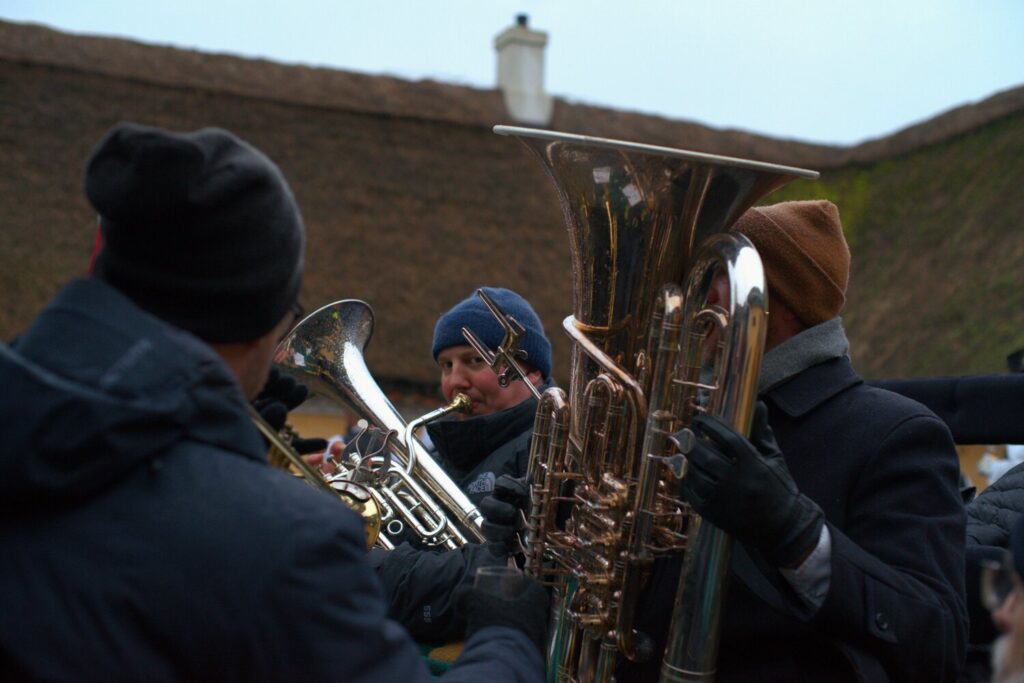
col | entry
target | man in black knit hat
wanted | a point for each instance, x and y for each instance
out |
(144, 535)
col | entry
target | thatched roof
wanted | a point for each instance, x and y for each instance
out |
(410, 201)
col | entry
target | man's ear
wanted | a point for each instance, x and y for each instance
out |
(535, 377)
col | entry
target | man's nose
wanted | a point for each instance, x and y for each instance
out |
(459, 377)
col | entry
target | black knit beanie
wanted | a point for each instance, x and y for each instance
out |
(200, 229)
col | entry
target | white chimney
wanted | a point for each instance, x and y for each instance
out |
(521, 73)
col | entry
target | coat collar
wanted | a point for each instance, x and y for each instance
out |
(465, 443)
(807, 390)
(810, 347)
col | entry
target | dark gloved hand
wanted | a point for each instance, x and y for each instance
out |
(504, 511)
(744, 488)
(526, 612)
(281, 394)
(307, 446)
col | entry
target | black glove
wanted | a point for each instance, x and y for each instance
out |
(503, 511)
(280, 390)
(307, 446)
(527, 612)
(281, 394)
(744, 488)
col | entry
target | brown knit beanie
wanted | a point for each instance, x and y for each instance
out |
(806, 259)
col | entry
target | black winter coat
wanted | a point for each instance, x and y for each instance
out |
(145, 537)
(991, 515)
(884, 470)
(419, 584)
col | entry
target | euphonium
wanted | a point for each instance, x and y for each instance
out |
(647, 229)
(357, 497)
(325, 352)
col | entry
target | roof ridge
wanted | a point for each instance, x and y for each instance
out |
(427, 99)
(261, 78)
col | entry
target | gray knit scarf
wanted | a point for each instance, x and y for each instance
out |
(814, 345)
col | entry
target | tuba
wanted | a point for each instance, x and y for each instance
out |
(325, 352)
(652, 347)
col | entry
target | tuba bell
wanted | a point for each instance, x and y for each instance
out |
(647, 230)
(325, 352)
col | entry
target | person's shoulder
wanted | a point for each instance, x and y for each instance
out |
(991, 515)
(877, 415)
(897, 424)
(275, 500)
(512, 456)
(895, 408)
(1011, 482)
(521, 441)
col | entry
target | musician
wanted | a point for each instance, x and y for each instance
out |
(849, 529)
(144, 535)
(494, 439)
(486, 449)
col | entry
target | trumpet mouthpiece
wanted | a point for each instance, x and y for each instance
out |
(461, 403)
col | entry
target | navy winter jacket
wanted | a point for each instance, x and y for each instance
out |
(144, 536)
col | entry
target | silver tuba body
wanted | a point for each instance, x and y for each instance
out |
(325, 352)
(652, 346)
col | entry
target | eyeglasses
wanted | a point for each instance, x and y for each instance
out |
(997, 582)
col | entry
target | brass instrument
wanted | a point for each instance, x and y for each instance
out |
(355, 496)
(325, 352)
(643, 221)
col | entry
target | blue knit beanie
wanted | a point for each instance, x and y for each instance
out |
(471, 312)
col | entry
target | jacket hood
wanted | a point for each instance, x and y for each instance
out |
(97, 387)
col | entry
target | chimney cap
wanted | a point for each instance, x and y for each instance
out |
(522, 19)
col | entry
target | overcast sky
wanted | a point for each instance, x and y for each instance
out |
(818, 70)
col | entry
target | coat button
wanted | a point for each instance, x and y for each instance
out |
(881, 621)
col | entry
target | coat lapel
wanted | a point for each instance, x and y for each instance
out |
(812, 387)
